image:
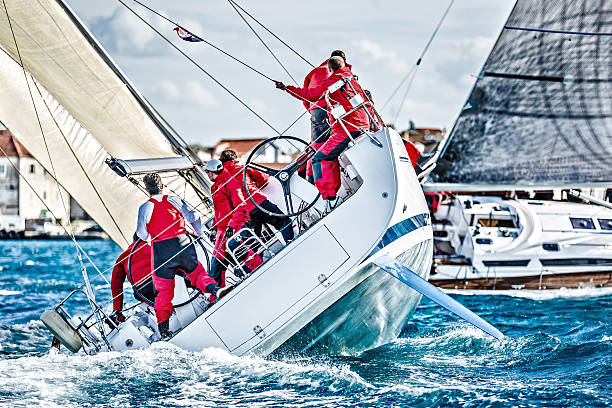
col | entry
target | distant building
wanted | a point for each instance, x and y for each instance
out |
(16, 197)
(274, 155)
(425, 139)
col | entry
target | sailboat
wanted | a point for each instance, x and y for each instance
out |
(539, 118)
(341, 285)
(66, 100)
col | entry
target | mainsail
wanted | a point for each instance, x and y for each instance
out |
(87, 109)
(540, 113)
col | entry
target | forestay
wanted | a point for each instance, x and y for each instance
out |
(540, 113)
(88, 109)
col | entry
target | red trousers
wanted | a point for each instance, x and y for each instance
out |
(169, 257)
(165, 288)
(325, 167)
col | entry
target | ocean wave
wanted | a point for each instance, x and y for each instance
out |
(544, 294)
(212, 376)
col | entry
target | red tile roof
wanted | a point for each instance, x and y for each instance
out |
(240, 146)
(10, 146)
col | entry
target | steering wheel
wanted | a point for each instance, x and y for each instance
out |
(282, 175)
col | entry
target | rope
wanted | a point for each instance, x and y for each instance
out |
(274, 35)
(225, 88)
(25, 76)
(262, 41)
(419, 60)
(399, 110)
(204, 40)
(80, 165)
(53, 214)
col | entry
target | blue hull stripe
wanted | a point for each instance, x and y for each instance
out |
(400, 229)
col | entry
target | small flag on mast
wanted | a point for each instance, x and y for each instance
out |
(186, 35)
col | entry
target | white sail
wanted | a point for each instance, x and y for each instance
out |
(88, 112)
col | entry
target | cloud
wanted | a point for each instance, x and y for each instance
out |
(377, 53)
(189, 93)
(169, 90)
(197, 93)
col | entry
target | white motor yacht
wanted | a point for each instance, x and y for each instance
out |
(486, 242)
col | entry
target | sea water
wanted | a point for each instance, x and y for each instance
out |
(558, 353)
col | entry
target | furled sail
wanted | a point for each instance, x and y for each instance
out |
(540, 113)
(88, 112)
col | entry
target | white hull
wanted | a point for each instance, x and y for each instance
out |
(544, 249)
(310, 291)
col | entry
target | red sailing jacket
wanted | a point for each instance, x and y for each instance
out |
(413, 152)
(229, 202)
(140, 270)
(357, 119)
(255, 181)
(314, 79)
(166, 221)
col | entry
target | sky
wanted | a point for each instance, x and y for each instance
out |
(381, 39)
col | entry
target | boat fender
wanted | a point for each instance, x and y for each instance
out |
(62, 330)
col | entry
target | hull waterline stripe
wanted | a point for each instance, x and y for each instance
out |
(400, 229)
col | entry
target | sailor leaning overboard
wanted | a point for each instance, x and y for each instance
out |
(162, 219)
(135, 265)
(326, 171)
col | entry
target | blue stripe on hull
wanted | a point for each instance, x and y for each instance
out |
(400, 229)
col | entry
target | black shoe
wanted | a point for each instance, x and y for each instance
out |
(164, 331)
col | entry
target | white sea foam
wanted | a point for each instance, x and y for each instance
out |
(29, 262)
(544, 294)
(5, 292)
(59, 378)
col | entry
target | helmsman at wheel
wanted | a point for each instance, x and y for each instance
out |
(162, 220)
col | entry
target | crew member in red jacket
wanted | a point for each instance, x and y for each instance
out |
(327, 176)
(319, 122)
(135, 265)
(256, 180)
(230, 216)
(413, 153)
(162, 220)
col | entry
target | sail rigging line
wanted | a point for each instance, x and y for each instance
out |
(20, 62)
(399, 110)
(93, 186)
(272, 33)
(51, 212)
(204, 41)
(25, 76)
(542, 30)
(206, 72)
(262, 41)
(225, 88)
(421, 56)
(202, 69)
(404, 79)
(227, 53)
